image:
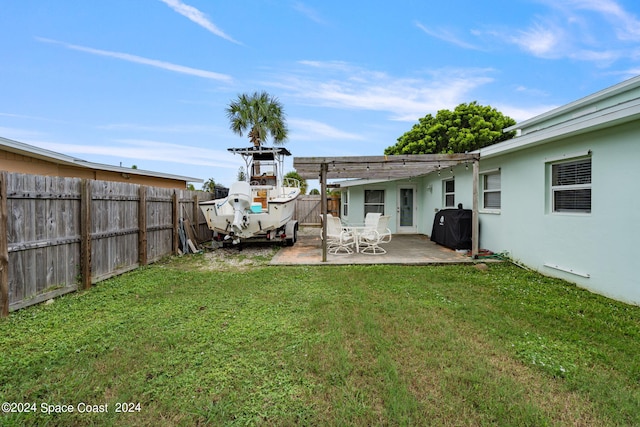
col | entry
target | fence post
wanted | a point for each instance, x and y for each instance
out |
(142, 225)
(4, 248)
(195, 222)
(176, 222)
(85, 234)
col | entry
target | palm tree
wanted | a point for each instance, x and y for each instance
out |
(260, 114)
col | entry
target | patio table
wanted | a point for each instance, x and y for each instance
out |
(356, 230)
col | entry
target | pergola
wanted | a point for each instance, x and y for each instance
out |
(384, 167)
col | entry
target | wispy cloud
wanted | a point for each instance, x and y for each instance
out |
(309, 12)
(146, 61)
(625, 24)
(540, 40)
(520, 113)
(29, 117)
(446, 35)
(198, 17)
(581, 30)
(531, 91)
(133, 127)
(19, 134)
(148, 150)
(628, 73)
(313, 130)
(341, 85)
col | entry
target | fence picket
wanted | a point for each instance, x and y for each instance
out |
(4, 249)
(58, 234)
(308, 209)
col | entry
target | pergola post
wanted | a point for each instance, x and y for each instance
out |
(475, 223)
(323, 208)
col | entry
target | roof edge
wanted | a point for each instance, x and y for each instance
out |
(602, 119)
(60, 158)
(594, 97)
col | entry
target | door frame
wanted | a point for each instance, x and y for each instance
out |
(413, 229)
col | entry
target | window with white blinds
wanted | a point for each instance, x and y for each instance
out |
(571, 186)
(345, 203)
(449, 193)
(374, 201)
(491, 193)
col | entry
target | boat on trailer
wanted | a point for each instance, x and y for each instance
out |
(260, 207)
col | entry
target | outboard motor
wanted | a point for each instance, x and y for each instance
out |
(240, 198)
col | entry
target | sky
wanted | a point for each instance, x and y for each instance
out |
(147, 82)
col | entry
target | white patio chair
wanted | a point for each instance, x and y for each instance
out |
(371, 220)
(339, 241)
(370, 239)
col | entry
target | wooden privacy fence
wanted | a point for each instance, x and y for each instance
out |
(63, 234)
(308, 209)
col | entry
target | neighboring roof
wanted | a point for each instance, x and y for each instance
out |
(51, 156)
(610, 107)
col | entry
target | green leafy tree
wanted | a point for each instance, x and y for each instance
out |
(209, 185)
(303, 182)
(314, 192)
(468, 127)
(259, 114)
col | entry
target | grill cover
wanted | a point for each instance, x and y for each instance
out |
(452, 228)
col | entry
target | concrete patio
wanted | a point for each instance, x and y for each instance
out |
(409, 249)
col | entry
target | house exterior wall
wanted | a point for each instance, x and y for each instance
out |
(429, 197)
(356, 202)
(432, 196)
(594, 250)
(599, 244)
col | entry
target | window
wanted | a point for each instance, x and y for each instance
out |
(345, 203)
(449, 193)
(571, 186)
(374, 201)
(491, 194)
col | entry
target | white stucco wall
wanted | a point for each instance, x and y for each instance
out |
(356, 201)
(600, 244)
(432, 195)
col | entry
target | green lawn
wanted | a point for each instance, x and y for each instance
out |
(352, 345)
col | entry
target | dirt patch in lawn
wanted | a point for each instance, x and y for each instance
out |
(234, 258)
(245, 256)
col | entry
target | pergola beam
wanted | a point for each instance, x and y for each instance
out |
(379, 167)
